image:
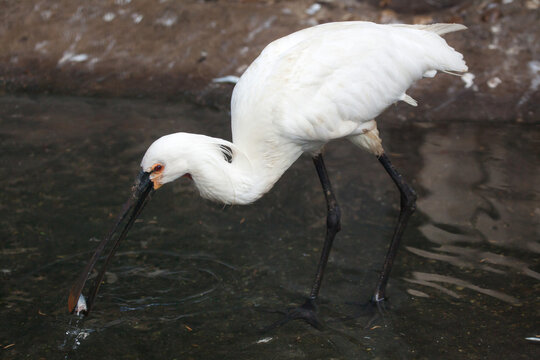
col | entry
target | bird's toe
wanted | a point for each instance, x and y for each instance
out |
(306, 312)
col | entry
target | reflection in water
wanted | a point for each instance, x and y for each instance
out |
(429, 279)
(474, 258)
(481, 198)
(194, 277)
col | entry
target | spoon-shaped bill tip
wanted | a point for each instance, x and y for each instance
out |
(141, 190)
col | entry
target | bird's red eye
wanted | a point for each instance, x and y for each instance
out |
(157, 168)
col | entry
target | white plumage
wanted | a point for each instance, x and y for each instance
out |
(313, 86)
(308, 88)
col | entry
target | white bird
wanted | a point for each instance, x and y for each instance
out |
(319, 84)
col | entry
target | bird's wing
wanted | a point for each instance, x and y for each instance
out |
(323, 82)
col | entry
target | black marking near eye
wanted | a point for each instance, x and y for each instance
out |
(227, 153)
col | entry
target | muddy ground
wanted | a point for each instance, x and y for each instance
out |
(174, 49)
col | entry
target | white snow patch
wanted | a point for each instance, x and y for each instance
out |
(137, 18)
(232, 79)
(108, 17)
(496, 29)
(79, 58)
(494, 82)
(40, 46)
(71, 56)
(65, 57)
(313, 9)
(168, 19)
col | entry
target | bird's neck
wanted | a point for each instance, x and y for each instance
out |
(242, 179)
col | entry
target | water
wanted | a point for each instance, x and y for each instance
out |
(196, 280)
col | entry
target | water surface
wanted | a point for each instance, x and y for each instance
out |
(196, 280)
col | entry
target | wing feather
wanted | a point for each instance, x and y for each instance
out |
(325, 82)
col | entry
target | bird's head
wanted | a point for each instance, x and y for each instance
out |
(166, 160)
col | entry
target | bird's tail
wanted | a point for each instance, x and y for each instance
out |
(439, 29)
(444, 58)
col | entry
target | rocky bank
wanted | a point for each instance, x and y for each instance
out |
(175, 49)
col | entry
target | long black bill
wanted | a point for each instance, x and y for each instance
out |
(141, 194)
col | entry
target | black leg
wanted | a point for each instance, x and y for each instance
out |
(333, 224)
(408, 205)
(307, 311)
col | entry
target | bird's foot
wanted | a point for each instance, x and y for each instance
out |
(306, 312)
(374, 310)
